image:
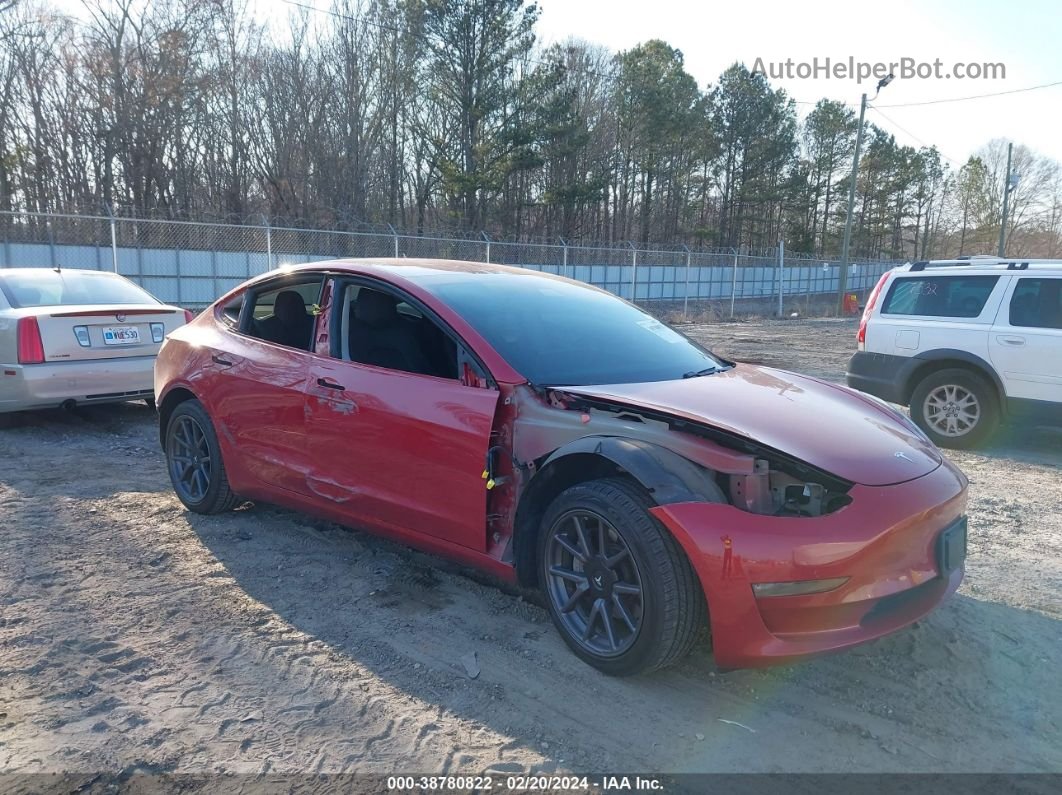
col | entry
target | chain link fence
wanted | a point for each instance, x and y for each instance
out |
(190, 263)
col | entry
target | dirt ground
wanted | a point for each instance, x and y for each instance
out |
(135, 636)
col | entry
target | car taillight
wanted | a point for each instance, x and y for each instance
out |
(861, 335)
(189, 316)
(30, 346)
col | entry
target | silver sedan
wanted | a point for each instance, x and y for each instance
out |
(69, 337)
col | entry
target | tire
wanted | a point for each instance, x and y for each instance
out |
(956, 408)
(9, 420)
(193, 460)
(649, 630)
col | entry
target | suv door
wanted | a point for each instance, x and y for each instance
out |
(1026, 340)
(399, 440)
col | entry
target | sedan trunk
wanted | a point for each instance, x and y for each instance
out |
(79, 333)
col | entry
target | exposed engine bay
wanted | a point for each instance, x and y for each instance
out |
(714, 464)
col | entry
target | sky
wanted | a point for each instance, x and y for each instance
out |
(1023, 35)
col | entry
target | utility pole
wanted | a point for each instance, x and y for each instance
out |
(1009, 181)
(842, 282)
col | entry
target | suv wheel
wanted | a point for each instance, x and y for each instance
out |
(956, 408)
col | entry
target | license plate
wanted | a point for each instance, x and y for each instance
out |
(951, 547)
(121, 335)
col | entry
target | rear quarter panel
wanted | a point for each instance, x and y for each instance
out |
(184, 357)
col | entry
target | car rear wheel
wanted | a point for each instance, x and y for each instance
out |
(193, 459)
(956, 408)
(619, 588)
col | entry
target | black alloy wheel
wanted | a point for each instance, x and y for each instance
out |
(595, 583)
(193, 459)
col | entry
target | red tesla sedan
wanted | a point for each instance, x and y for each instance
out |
(557, 436)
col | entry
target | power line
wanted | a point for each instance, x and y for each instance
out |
(826, 99)
(976, 96)
(938, 101)
(911, 134)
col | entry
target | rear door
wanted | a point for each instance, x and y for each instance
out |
(256, 387)
(1026, 339)
(395, 449)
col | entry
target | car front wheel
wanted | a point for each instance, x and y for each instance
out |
(619, 588)
(956, 408)
(193, 459)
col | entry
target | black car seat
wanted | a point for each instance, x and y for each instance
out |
(379, 335)
(290, 324)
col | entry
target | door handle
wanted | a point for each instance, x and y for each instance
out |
(219, 360)
(330, 384)
(1011, 340)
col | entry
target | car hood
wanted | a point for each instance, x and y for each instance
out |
(830, 427)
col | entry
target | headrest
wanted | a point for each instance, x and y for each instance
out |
(375, 308)
(289, 308)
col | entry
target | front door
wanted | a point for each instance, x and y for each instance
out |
(392, 448)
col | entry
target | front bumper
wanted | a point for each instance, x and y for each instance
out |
(884, 542)
(39, 386)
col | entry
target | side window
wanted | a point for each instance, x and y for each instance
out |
(230, 313)
(1037, 303)
(284, 314)
(939, 296)
(379, 328)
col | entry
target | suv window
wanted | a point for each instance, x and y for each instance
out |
(939, 296)
(1037, 303)
(286, 314)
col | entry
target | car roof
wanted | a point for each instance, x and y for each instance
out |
(413, 270)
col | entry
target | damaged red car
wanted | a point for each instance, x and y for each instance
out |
(559, 437)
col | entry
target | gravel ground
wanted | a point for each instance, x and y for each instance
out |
(136, 637)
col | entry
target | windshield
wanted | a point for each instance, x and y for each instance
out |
(559, 333)
(68, 288)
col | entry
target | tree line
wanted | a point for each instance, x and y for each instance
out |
(448, 115)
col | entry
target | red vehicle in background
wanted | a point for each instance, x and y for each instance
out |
(555, 435)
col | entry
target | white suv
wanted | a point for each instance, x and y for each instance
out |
(965, 343)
